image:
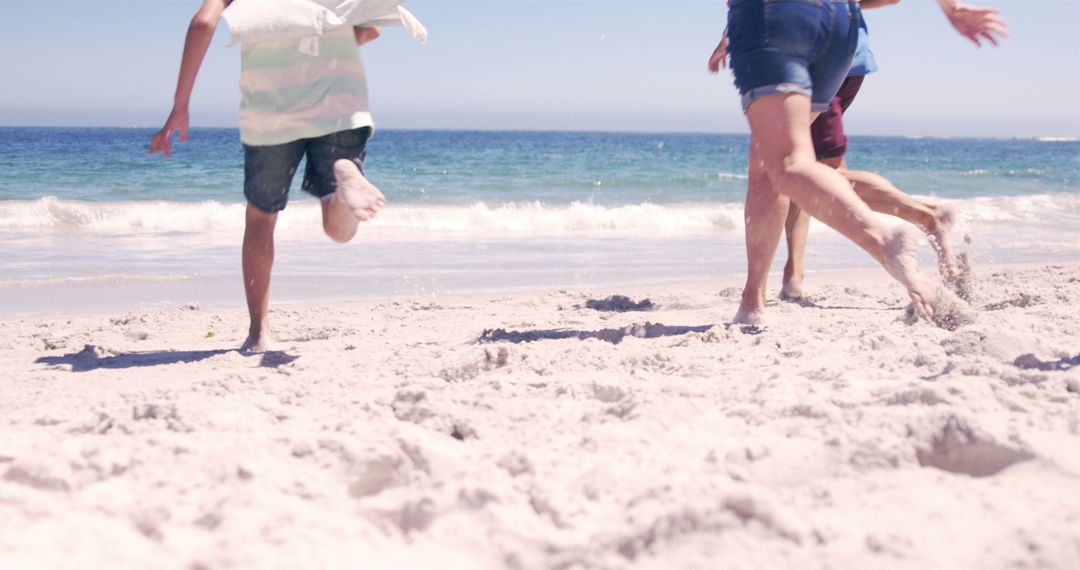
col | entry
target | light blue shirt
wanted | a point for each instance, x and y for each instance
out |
(863, 63)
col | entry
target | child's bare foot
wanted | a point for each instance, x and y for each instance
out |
(900, 262)
(256, 342)
(791, 291)
(944, 217)
(751, 309)
(361, 196)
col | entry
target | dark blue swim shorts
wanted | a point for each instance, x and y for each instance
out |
(269, 170)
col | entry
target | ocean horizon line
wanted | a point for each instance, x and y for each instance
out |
(1036, 138)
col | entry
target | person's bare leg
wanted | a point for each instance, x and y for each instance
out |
(764, 213)
(797, 230)
(780, 127)
(355, 200)
(257, 261)
(934, 219)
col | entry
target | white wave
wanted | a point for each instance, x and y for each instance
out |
(51, 213)
(54, 213)
(1046, 211)
(114, 279)
(215, 220)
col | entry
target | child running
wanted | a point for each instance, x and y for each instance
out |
(296, 101)
(831, 143)
(789, 62)
(787, 77)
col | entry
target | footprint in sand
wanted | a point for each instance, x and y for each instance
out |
(375, 474)
(957, 447)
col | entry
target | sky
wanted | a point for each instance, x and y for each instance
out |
(610, 65)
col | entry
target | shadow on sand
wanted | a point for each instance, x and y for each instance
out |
(808, 304)
(614, 336)
(93, 358)
(1031, 362)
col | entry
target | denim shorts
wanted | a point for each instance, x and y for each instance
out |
(791, 46)
(269, 170)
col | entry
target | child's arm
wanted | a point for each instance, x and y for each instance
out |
(200, 32)
(975, 23)
(365, 35)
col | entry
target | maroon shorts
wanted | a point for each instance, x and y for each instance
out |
(827, 131)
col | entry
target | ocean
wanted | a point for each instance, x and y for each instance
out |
(89, 222)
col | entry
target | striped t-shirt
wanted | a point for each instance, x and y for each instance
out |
(297, 89)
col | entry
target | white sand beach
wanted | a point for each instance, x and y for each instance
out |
(530, 431)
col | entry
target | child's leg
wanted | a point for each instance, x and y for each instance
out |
(334, 176)
(268, 173)
(935, 220)
(882, 196)
(355, 200)
(780, 129)
(830, 144)
(797, 230)
(257, 261)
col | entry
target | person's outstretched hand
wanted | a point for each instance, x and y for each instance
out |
(162, 141)
(977, 24)
(718, 58)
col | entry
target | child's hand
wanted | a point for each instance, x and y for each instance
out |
(162, 141)
(366, 35)
(718, 58)
(977, 24)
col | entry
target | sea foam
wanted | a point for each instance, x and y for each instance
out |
(478, 218)
(1055, 213)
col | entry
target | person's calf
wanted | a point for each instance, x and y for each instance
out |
(257, 260)
(342, 229)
